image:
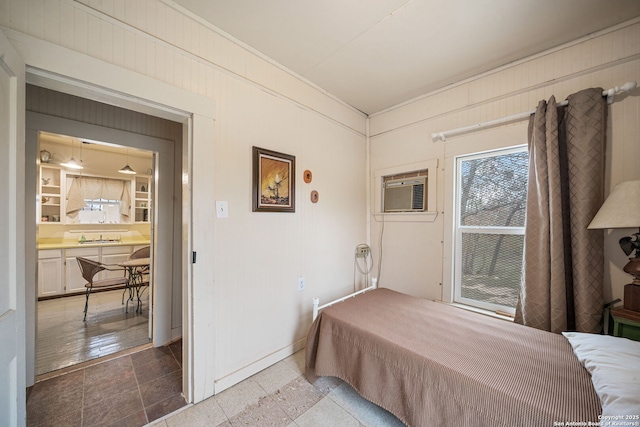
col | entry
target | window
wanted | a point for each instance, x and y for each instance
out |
(100, 211)
(490, 205)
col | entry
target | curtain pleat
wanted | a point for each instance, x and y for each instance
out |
(112, 189)
(82, 188)
(91, 187)
(125, 200)
(75, 201)
(563, 261)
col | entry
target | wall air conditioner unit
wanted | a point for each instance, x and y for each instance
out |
(405, 194)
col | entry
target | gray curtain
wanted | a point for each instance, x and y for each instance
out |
(563, 261)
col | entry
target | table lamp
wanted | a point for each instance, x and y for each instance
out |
(622, 210)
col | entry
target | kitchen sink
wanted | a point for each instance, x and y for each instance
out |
(97, 242)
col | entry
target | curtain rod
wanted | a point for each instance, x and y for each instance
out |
(627, 87)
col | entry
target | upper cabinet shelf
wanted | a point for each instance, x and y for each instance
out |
(142, 202)
(53, 186)
(50, 192)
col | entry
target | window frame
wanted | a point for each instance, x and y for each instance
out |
(428, 215)
(102, 203)
(458, 230)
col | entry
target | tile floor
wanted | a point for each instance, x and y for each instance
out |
(281, 396)
(64, 339)
(131, 390)
(145, 387)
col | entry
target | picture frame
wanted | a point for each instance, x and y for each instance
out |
(274, 181)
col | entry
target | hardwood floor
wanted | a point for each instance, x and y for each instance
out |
(64, 339)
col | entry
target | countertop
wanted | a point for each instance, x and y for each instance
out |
(72, 244)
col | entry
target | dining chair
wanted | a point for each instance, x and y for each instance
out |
(89, 269)
(142, 275)
(143, 253)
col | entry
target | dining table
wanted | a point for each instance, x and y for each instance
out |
(136, 269)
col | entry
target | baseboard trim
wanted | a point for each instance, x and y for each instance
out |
(257, 366)
(75, 294)
(176, 333)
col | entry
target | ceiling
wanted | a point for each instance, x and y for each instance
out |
(377, 53)
(85, 144)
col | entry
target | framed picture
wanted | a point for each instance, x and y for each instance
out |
(274, 181)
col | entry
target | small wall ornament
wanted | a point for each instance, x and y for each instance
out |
(45, 156)
(307, 176)
(314, 196)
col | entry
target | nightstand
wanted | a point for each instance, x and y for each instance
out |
(626, 323)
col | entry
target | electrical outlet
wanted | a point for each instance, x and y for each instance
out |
(300, 284)
(362, 251)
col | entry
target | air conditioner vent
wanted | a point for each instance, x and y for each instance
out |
(405, 194)
(418, 197)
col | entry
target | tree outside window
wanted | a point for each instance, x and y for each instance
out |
(490, 210)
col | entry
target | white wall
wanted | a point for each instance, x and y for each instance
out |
(247, 310)
(415, 254)
(259, 256)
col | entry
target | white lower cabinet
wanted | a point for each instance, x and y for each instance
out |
(49, 272)
(74, 282)
(114, 255)
(59, 272)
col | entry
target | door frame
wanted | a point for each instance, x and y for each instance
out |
(70, 127)
(164, 168)
(12, 276)
(58, 68)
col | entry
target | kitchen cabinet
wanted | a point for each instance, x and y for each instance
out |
(74, 282)
(49, 272)
(59, 272)
(50, 191)
(142, 201)
(114, 255)
(53, 186)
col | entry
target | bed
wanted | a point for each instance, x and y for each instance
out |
(431, 364)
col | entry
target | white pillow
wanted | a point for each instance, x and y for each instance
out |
(614, 365)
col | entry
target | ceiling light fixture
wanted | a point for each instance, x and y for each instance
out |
(71, 163)
(127, 169)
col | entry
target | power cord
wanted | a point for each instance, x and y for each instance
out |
(380, 249)
(362, 252)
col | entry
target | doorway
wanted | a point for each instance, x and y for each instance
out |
(109, 224)
(165, 308)
(195, 116)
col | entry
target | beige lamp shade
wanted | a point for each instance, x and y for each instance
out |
(621, 209)
(127, 170)
(72, 164)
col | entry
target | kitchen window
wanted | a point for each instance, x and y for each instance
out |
(100, 211)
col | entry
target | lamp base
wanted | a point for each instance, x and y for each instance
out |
(632, 297)
(632, 290)
(633, 268)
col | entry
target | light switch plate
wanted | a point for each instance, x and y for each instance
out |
(222, 209)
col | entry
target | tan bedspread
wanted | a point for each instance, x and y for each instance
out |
(431, 364)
